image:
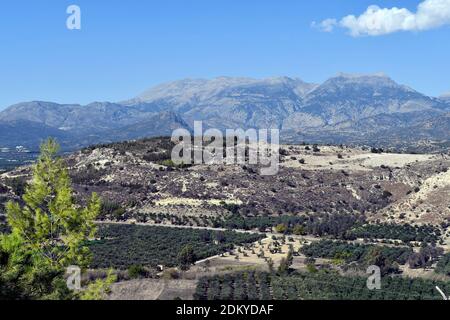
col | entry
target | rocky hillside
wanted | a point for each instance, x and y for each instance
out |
(138, 181)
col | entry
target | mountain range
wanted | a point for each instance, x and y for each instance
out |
(351, 109)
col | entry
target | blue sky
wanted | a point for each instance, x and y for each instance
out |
(124, 47)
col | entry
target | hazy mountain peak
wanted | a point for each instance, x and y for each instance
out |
(282, 79)
(371, 79)
(187, 89)
(374, 82)
(445, 95)
(191, 90)
(362, 75)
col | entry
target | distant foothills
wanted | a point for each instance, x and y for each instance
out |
(346, 109)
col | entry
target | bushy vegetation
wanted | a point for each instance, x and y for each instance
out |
(443, 265)
(3, 189)
(353, 252)
(121, 246)
(334, 225)
(157, 157)
(322, 285)
(136, 272)
(426, 257)
(18, 185)
(260, 223)
(88, 176)
(341, 252)
(238, 286)
(153, 149)
(4, 228)
(403, 232)
(111, 210)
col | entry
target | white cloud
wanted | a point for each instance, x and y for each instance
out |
(377, 21)
(326, 25)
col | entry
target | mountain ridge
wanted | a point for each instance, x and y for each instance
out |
(342, 106)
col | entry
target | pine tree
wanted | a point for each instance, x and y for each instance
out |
(48, 232)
